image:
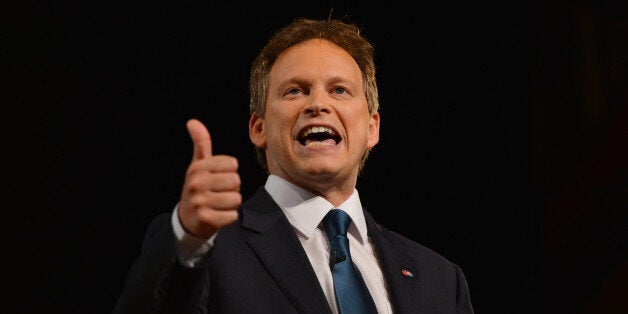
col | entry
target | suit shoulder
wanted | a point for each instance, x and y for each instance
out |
(415, 249)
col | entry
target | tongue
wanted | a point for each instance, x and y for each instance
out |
(327, 142)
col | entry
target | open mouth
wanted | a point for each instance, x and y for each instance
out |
(318, 135)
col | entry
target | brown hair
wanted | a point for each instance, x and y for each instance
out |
(345, 35)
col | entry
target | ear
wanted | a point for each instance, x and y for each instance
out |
(257, 131)
(373, 135)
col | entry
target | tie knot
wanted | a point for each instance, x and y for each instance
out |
(336, 223)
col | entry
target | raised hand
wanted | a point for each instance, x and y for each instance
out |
(211, 191)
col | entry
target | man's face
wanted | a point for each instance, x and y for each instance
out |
(317, 125)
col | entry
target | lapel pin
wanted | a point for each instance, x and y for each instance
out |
(406, 273)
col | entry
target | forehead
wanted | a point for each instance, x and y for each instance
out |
(315, 57)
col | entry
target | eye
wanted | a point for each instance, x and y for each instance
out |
(293, 91)
(339, 90)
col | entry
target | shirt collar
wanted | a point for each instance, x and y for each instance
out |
(305, 210)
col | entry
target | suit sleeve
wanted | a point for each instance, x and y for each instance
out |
(157, 282)
(463, 298)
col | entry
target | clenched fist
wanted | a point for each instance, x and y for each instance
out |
(211, 191)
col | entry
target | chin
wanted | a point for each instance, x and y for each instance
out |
(318, 169)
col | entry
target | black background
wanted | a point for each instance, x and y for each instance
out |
(503, 140)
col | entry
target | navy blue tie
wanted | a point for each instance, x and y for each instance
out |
(352, 296)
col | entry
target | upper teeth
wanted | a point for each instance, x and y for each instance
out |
(318, 129)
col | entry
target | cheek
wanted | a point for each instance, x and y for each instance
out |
(360, 123)
(277, 132)
(279, 122)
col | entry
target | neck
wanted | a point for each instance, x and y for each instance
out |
(334, 191)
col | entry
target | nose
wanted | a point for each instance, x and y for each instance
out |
(318, 102)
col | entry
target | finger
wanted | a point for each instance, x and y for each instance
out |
(215, 163)
(216, 201)
(218, 182)
(219, 219)
(200, 138)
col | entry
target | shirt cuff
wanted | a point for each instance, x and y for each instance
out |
(191, 250)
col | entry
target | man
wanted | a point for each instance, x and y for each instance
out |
(314, 118)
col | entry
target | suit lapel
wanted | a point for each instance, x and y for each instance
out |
(278, 248)
(402, 272)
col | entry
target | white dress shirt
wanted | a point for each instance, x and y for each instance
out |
(305, 211)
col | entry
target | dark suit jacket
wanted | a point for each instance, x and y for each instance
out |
(258, 265)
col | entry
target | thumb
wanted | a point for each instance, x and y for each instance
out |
(200, 138)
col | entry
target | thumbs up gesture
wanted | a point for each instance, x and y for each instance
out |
(211, 191)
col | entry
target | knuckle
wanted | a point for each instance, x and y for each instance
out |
(198, 201)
